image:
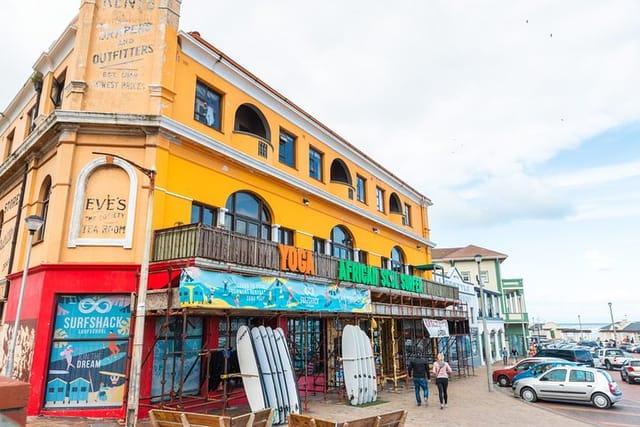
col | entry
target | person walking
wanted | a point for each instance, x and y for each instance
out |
(514, 354)
(505, 355)
(419, 370)
(441, 371)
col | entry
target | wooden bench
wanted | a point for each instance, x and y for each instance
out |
(389, 419)
(299, 420)
(263, 418)
(165, 418)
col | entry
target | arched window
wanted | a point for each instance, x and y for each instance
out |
(394, 204)
(249, 215)
(340, 172)
(341, 243)
(45, 193)
(397, 259)
(251, 120)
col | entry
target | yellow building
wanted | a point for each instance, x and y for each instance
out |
(126, 119)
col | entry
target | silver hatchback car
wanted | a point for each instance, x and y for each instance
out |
(571, 384)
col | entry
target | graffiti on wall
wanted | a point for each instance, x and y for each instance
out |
(23, 356)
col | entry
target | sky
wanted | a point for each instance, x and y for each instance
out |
(520, 120)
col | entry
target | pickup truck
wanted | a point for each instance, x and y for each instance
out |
(611, 358)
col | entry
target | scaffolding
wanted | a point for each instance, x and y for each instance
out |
(314, 341)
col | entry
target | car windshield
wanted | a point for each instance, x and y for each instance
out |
(615, 353)
(635, 363)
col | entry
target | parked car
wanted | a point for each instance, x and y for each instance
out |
(540, 368)
(592, 344)
(571, 384)
(578, 355)
(635, 349)
(612, 358)
(504, 376)
(630, 371)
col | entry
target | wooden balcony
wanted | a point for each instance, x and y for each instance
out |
(216, 244)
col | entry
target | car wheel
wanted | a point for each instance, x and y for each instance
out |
(607, 365)
(600, 401)
(528, 394)
(503, 381)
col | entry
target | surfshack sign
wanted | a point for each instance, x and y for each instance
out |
(203, 288)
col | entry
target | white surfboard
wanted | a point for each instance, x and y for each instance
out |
(350, 363)
(279, 372)
(362, 369)
(289, 372)
(251, 379)
(274, 374)
(266, 373)
(372, 387)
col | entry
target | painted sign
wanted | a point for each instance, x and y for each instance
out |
(355, 272)
(88, 359)
(436, 328)
(201, 288)
(125, 39)
(8, 211)
(104, 210)
(296, 259)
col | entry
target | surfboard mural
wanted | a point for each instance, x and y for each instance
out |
(202, 288)
(267, 373)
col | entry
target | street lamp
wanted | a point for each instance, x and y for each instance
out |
(613, 325)
(487, 351)
(138, 332)
(34, 222)
(580, 323)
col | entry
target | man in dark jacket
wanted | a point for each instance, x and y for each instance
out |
(419, 370)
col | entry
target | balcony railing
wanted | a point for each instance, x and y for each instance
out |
(201, 241)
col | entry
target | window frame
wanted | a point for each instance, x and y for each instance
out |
(199, 114)
(361, 189)
(380, 206)
(288, 141)
(316, 159)
(202, 207)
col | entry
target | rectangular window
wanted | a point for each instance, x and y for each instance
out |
(286, 149)
(57, 87)
(8, 145)
(262, 149)
(361, 189)
(485, 276)
(406, 216)
(285, 236)
(384, 262)
(31, 121)
(207, 106)
(318, 245)
(465, 275)
(202, 214)
(315, 164)
(380, 199)
(363, 257)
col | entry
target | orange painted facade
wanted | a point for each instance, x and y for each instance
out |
(123, 80)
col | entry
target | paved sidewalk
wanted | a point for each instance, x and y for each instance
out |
(470, 404)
